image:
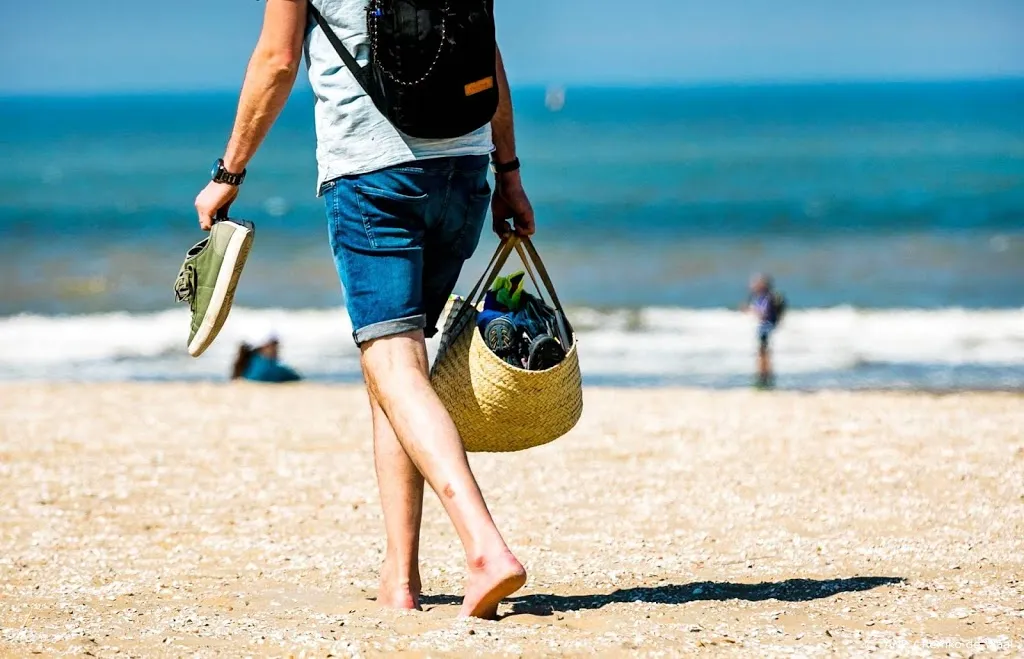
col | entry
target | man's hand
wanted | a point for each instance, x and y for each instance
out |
(511, 203)
(215, 199)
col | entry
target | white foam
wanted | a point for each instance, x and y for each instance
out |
(678, 344)
(148, 345)
(708, 343)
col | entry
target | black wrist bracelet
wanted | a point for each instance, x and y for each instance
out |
(506, 167)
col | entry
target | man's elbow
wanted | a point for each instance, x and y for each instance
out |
(278, 62)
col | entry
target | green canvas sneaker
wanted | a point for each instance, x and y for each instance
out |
(208, 279)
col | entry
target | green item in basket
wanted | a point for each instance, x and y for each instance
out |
(508, 291)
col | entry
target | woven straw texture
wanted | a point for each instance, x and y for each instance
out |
(497, 407)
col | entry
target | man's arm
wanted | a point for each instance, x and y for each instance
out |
(502, 126)
(268, 82)
(510, 201)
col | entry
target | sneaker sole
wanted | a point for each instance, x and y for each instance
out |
(545, 354)
(499, 336)
(223, 291)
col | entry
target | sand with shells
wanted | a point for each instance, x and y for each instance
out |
(172, 520)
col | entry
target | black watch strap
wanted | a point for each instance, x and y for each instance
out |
(222, 175)
(505, 167)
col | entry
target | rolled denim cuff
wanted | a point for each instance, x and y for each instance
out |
(389, 328)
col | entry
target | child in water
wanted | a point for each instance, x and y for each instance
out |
(768, 305)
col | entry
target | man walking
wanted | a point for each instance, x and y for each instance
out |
(403, 215)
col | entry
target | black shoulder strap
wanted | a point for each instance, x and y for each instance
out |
(350, 61)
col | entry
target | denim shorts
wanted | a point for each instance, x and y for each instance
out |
(764, 334)
(400, 237)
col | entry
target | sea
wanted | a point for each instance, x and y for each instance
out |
(890, 215)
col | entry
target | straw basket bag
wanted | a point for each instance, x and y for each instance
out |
(498, 407)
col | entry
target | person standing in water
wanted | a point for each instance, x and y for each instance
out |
(768, 306)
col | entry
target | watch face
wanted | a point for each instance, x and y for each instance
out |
(215, 170)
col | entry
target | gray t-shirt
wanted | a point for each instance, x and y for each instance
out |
(352, 136)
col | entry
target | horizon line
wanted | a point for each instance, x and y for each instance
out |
(534, 85)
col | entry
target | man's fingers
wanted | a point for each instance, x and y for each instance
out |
(213, 204)
(525, 225)
(501, 228)
(518, 210)
(500, 214)
(205, 217)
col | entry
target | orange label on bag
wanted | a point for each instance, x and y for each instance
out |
(480, 86)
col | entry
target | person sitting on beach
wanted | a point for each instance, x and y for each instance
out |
(404, 214)
(768, 305)
(260, 363)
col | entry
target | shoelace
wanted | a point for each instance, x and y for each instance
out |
(185, 286)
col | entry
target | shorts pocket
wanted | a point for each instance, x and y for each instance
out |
(477, 206)
(326, 188)
(392, 220)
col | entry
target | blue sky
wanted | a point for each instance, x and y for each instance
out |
(77, 46)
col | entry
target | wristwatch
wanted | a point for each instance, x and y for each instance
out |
(505, 167)
(221, 175)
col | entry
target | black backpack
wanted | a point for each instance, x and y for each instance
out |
(779, 306)
(432, 64)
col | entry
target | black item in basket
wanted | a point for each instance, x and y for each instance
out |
(545, 352)
(502, 338)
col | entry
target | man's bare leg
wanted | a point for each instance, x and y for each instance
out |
(396, 374)
(401, 497)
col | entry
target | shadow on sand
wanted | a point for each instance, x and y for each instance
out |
(791, 590)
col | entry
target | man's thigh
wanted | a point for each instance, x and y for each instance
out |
(377, 226)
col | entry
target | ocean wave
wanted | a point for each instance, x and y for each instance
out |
(710, 347)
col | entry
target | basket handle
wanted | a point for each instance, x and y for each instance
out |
(486, 279)
(531, 260)
(528, 253)
(492, 270)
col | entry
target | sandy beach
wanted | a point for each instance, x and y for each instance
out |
(168, 520)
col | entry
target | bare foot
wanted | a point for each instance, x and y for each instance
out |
(398, 599)
(491, 579)
(398, 591)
